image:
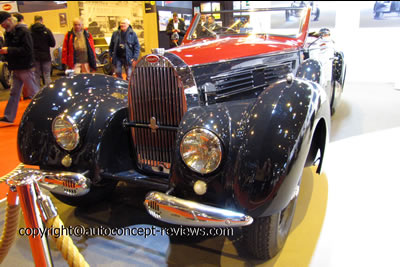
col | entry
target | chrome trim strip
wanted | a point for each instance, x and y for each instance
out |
(175, 210)
(63, 183)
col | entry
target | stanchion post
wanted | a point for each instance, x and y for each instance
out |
(26, 192)
(12, 196)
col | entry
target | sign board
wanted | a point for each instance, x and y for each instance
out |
(9, 6)
(150, 6)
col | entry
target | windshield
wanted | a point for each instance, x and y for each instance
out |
(273, 21)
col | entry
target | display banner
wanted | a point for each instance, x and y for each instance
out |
(9, 6)
(379, 14)
(323, 14)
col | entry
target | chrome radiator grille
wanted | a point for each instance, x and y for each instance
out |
(157, 105)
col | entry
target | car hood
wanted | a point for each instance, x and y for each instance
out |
(210, 51)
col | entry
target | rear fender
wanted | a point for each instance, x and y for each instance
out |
(339, 68)
(310, 70)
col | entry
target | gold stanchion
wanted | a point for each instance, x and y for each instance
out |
(37, 208)
(24, 183)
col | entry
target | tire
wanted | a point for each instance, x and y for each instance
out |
(265, 237)
(4, 75)
(378, 15)
(107, 67)
(96, 194)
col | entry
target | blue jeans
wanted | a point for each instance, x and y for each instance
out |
(118, 69)
(42, 69)
(19, 78)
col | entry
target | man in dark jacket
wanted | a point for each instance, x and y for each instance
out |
(175, 31)
(20, 19)
(43, 39)
(124, 48)
(18, 51)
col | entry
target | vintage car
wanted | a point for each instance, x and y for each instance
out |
(5, 75)
(219, 129)
(382, 7)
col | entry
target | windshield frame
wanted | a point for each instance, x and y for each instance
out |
(193, 26)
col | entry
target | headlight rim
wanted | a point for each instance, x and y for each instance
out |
(221, 147)
(75, 129)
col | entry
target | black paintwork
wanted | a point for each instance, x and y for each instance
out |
(98, 104)
(266, 132)
(266, 142)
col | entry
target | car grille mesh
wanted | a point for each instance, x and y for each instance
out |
(156, 100)
(236, 82)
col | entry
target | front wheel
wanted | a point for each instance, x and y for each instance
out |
(107, 64)
(378, 15)
(265, 237)
(96, 194)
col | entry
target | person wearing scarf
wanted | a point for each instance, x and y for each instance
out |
(78, 51)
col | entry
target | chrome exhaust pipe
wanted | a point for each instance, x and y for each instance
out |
(184, 212)
(63, 183)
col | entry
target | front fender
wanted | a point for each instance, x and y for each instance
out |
(92, 100)
(216, 118)
(266, 142)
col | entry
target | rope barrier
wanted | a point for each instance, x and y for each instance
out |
(65, 244)
(10, 229)
(8, 175)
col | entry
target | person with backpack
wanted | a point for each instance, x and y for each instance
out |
(43, 39)
(78, 51)
(124, 48)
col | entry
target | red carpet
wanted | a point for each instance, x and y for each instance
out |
(8, 144)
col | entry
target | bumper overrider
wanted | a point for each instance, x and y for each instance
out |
(161, 206)
(63, 183)
(174, 210)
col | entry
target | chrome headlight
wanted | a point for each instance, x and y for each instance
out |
(201, 150)
(66, 132)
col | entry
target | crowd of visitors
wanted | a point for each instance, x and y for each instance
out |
(27, 52)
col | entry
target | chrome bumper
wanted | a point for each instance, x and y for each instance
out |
(184, 212)
(63, 183)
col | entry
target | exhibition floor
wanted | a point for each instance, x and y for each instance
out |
(345, 217)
